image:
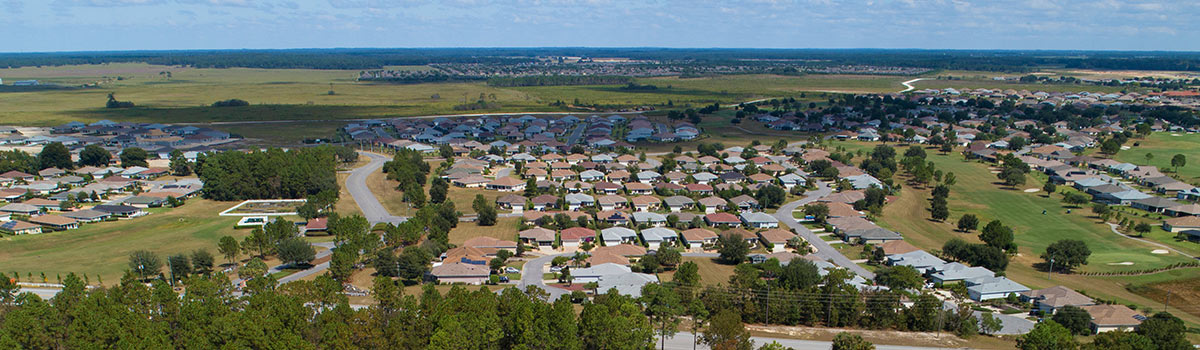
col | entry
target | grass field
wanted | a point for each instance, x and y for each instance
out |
(505, 228)
(711, 272)
(1164, 145)
(976, 193)
(103, 248)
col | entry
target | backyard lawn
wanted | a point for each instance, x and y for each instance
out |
(505, 228)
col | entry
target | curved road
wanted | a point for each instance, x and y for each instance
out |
(824, 250)
(908, 84)
(356, 184)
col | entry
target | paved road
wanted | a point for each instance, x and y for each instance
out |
(683, 341)
(577, 134)
(908, 84)
(356, 184)
(824, 250)
(531, 275)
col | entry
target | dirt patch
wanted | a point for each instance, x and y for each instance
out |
(1183, 292)
(874, 336)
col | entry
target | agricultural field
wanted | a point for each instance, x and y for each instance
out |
(988, 83)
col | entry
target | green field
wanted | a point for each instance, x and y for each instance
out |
(1164, 145)
(976, 193)
(103, 248)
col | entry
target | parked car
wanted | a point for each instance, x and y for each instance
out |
(556, 269)
(511, 269)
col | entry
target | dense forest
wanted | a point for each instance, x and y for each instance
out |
(988, 60)
(270, 174)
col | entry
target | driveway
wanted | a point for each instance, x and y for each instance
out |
(824, 250)
(577, 134)
(356, 184)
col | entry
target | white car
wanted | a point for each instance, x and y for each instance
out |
(556, 269)
(511, 269)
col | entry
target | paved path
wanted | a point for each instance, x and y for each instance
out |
(824, 250)
(531, 275)
(908, 84)
(356, 184)
(1113, 227)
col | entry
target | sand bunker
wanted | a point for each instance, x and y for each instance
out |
(1124, 147)
(1175, 135)
(995, 171)
(1123, 263)
(1159, 251)
(1032, 190)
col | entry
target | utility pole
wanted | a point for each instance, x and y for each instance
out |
(1167, 302)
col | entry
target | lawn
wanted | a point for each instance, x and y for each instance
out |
(103, 248)
(711, 272)
(1164, 146)
(505, 228)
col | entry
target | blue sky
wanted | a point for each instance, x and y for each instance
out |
(71, 25)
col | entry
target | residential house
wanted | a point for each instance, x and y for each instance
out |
(1113, 317)
(699, 237)
(1049, 300)
(722, 219)
(457, 272)
(759, 220)
(17, 227)
(87, 215)
(537, 236)
(656, 236)
(649, 218)
(618, 235)
(778, 239)
(121, 211)
(678, 203)
(712, 204)
(955, 272)
(993, 288)
(613, 217)
(506, 184)
(744, 202)
(55, 222)
(21, 208)
(1175, 225)
(573, 237)
(918, 259)
(577, 201)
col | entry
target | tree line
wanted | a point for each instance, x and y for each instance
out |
(269, 174)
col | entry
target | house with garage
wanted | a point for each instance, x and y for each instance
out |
(656, 236)
(759, 220)
(614, 217)
(538, 237)
(722, 220)
(506, 184)
(993, 288)
(744, 202)
(678, 203)
(21, 209)
(1182, 224)
(699, 237)
(577, 201)
(778, 239)
(618, 235)
(457, 272)
(649, 218)
(1154, 204)
(573, 237)
(712, 204)
(544, 202)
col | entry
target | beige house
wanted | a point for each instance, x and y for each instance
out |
(1107, 318)
(457, 272)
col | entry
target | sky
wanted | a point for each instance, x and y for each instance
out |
(89, 25)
